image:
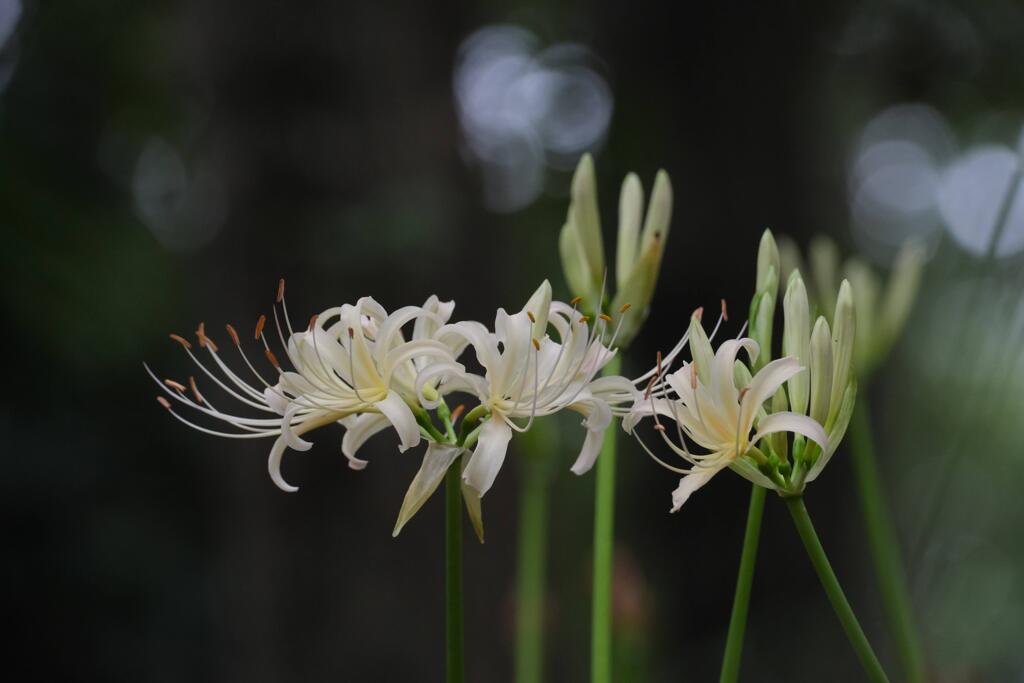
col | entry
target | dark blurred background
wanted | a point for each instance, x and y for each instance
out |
(162, 164)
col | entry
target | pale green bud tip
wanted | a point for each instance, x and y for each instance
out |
(538, 307)
(430, 393)
(844, 332)
(768, 264)
(583, 178)
(700, 347)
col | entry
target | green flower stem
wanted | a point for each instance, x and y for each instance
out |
(533, 515)
(741, 599)
(834, 591)
(604, 540)
(885, 552)
(453, 572)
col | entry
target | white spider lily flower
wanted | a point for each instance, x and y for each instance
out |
(351, 366)
(724, 420)
(529, 376)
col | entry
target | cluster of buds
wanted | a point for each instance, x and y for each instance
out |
(640, 245)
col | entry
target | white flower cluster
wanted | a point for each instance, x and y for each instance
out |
(368, 370)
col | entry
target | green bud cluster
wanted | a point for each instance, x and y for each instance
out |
(826, 389)
(640, 245)
(882, 308)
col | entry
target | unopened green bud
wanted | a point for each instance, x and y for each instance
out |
(768, 265)
(631, 208)
(844, 330)
(538, 307)
(584, 214)
(659, 213)
(637, 288)
(762, 315)
(574, 260)
(796, 339)
(700, 348)
(634, 299)
(820, 370)
(865, 299)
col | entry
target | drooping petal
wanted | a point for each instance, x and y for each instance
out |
(487, 458)
(290, 434)
(436, 461)
(697, 477)
(359, 429)
(589, 452)
(397, 411)
(791, 422)
(274, 466)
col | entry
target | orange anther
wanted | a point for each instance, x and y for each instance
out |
(280, 290)
(174, 385)
(233, 334)
(536, 344)
(272, 358)
(459, 409)
(181, 340)
(195, 389)
(624, 307)
(164, 402)
(259, 326)
(575, 300)
(725, 311)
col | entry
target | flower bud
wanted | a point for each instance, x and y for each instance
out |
(538, 306)
(821, 370)
(762, 315)
(579, 243)
(844, 329)
(865, 300)
(796, 339)
(631, 208)
(768, 265)
(700, 349)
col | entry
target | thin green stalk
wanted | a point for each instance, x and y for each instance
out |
(834, 591)
(533, 515)
(604, 540)
(453, 572)
(741, 599)
(885, 551)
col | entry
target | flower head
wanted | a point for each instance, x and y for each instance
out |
(528, 374)
(351, 365)
(743, 413)
(720, 408)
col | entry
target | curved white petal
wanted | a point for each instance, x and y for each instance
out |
(697, 477)
(791, 422)
(290, 434)
(274, 466)
(487, 458)
(398, 412)
(360, 429)
(588, 454)
(765, 383)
